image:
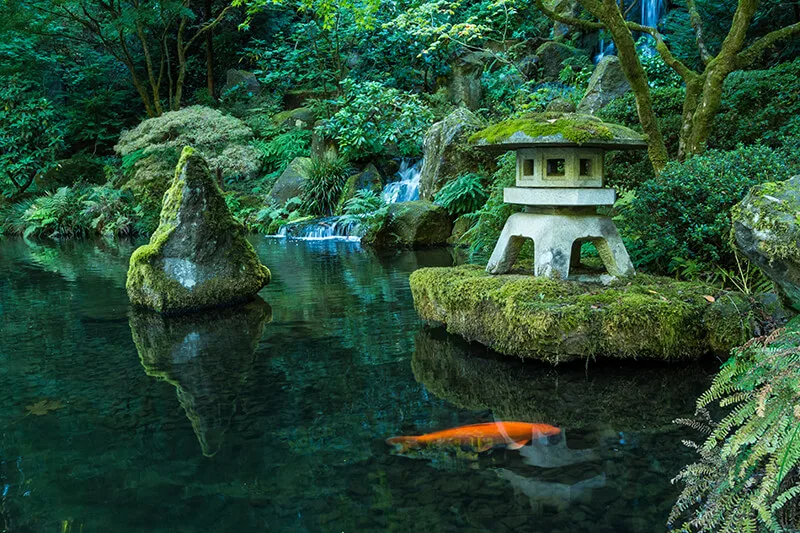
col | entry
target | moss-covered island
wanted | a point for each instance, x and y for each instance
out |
(198, 256)
(557, 129)
(558, 321)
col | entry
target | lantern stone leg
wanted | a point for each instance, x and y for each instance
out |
(556, 239)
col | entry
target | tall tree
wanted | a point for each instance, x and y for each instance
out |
(703, 86)
(144, 35)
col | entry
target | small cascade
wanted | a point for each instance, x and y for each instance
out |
(605, 48)
(323, 229)
(652, 11)
(406, 189)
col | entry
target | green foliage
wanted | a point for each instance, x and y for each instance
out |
(326, 179)
(74, 212)
(372, 119)
(576, 72)
(685, 213)
(747, 478)
(366, 208)
(30, 135)
(759, 105)
(462, 195)
(488, 221)
(281, 150)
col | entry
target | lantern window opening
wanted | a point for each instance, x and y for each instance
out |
(556, 167)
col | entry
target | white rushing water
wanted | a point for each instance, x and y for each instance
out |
(406, 189)
(323, 229)
(650, 13)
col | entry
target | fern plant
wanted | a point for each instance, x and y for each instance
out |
(366, 208)
(747, 476)
(326, 179)
(462, 195)
(279, 151)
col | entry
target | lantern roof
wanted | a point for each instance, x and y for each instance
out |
(557, 130)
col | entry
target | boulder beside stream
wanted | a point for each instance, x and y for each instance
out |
(558, 321)
(198, 256)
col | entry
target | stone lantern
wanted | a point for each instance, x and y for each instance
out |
(560, 184)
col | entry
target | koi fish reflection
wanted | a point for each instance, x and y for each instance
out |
(476, 437)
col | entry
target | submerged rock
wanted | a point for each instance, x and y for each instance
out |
(411, 225)
(198, 256)
(207, 357)
(558, 321)
(767, 231)
(447, 153)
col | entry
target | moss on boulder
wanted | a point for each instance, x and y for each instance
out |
(557, 321)
(198, 256)
(411, 225)
(291, 182)
(766, 228)
(448, 154)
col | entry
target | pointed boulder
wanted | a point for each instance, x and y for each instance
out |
(198, 256)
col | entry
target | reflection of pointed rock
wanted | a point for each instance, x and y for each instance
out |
(624, 398)
(559, 495)
(206, 356)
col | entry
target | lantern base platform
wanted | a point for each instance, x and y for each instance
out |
(557, 242)
(559, 196)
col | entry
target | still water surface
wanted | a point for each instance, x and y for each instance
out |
(272, 417)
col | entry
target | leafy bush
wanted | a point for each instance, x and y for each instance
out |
(462, 195)
(150, 151)
(281, 150)
(326, 179)
(366, 208)
(747, 476)
(29, 135)
(75, 212)
(372, 119)
(684, 214)
(488, 221)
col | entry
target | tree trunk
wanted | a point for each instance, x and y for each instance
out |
(611, 16)
(210, 53)
(694, 90)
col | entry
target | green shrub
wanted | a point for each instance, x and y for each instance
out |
(372, 119)
(684, 214)
(747, 476)
(462, 195)
(366, 208)
(326, 179)
(277, 152)
(488, 221)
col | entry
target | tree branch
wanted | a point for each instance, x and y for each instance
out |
(210, 25)
(571, 21)
(754, 51)
(697, 24)
(663, 50)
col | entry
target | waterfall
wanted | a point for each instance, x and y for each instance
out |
(406, 189)
(652, 11)
(323, 229)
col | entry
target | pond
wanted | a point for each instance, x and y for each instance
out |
(273, 416)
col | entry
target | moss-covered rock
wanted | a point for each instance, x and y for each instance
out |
(207, 357)
(198, 256)
(766, 228)
(368, 179)
(302, 117)
(608, 82)
(460, 226)
(411, 225)
(151, 150)
(557, 129)
(552, 55)
(448, 154)
(557, 321)
(291, 182)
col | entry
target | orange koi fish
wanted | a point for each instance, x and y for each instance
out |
(478, 437)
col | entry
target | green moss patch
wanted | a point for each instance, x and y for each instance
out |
(557, 321)
(566, 127)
